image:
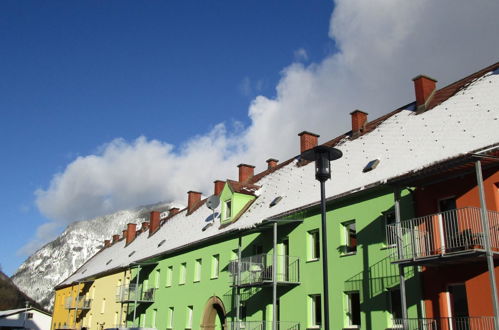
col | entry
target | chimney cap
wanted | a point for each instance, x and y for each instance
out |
(424, 76)
(218, 181)
(193, 192)
(245, 165)
(309, 133)
(272, 160)
(358, 111)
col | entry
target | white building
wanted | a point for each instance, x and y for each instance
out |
(25, 318)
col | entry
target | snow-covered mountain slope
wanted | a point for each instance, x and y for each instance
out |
(58, 259)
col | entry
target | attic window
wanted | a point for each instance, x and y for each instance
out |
(161, 243)
(371, 165)
(228, 206)
(275, 201)
(131, 253)
(109, 261)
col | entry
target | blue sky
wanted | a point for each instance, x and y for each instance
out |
(113, 104)
(77, 74)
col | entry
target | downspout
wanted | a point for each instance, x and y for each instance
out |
(400, 255)
(77, 300)
(274, 280)
(488, 250)
(238, 284)
(135, 294)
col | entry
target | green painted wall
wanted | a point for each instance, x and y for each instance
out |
(238, 201)
(368, 270)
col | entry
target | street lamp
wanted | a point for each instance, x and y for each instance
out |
(323, 155)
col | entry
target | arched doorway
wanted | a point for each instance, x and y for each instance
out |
(213, 314)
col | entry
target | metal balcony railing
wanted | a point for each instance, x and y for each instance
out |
(261, 325)
(442, 233)
(447, 323)
(131, 293)
(258, 269)
(79, 302)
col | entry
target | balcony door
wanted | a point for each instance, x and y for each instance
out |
(449, 227)
(459, 307)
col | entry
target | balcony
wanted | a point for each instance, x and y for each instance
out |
(257, 270)
(447, 323)
(261, 325)
(443, 236)
(79, 303)
(131, 293)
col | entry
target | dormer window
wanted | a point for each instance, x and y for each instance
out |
(227, 209)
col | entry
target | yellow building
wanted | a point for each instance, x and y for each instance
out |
(91, 304)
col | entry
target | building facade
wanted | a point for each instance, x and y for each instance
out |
(405, 246)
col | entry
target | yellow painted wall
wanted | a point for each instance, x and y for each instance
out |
(63, 318)
(104, 311)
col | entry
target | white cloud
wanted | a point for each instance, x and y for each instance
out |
(382, 45)
(301, 55)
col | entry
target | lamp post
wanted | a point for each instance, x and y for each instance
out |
(323, 155)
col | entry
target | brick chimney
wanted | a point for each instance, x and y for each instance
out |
(173, 211)
(219, 186)
(424, 88)
(246, 172)
(193, 197)
(359, 121)
(154, 222)
(271, 163)
(131, 232)
(123, 232)
(116, 238)
(107, 243)
(144, 226)
(308, 140)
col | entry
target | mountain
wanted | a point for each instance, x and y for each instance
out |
(11, 297)
(58, 259)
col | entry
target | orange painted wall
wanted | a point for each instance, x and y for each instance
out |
(474, 275)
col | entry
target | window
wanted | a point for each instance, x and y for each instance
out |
(215, 265)
(182, 273)
(395, 303)
(153, 321)
(350, 237)
(389, 220)
(197, 270)
(29, 316)
(169, 324)
(314, 249)
(103, 306)
(353, 309)
(188, 323)
(315, 310)
(257, 249)
(169, 275)
(157, 278)
(227, 209)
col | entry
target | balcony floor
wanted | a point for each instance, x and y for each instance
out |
(448, 258)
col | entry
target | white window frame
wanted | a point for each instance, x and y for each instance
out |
(314, 239)
(215, 266)
(349, 313)
(198, 263)
(169, 276)
(182, 273)
(227, 209)
(312, 319)
(171, 311)
(188, 321)
(346, 237)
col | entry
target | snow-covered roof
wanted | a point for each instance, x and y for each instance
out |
(466, 121)
(20, 310)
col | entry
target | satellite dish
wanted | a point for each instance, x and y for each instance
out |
(212, 202)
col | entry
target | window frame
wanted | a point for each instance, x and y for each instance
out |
(349, 310)
(198, 263)
(348, 248)
(169, 322)
(227, 211)
(314, 245)
(314, 300)
(215, 266)
(182, 273)
(169, 276)
(189, 317)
